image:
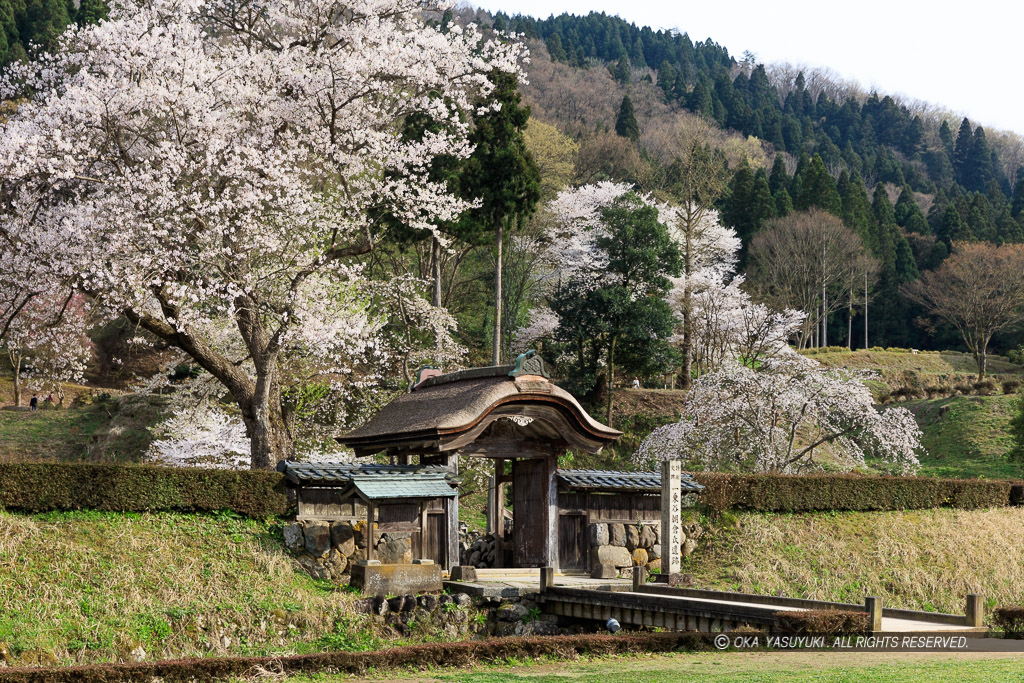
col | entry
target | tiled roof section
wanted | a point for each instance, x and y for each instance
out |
(405, 486)
(604, 480)
(340, 473)
(453, 403)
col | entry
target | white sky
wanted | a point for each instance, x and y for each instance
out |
(964, 56)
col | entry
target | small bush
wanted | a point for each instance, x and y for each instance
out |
(827, 622)
(1011, 386)
(985, 387)
(938, 390)
(964, 389)
(1010, 620)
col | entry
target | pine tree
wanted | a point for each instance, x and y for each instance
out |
(625, 123)
(962, 151)
(503, 175)
(1017, 201)
(778, 178)
(783, 203)
(623, 72)
(817, 188)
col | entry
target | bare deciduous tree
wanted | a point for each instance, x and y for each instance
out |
(807, 261)
(979, 290)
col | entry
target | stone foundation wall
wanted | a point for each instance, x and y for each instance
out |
(615, 548)
(327, 550)
(459, 616)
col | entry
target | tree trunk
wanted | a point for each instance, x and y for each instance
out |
(849, 323)
(16, 365)
(265, 423)
(687, 313)
(982, 358)
(865, 311)
(435, 258)
(611, 381)
(824, 317)
(496, 353)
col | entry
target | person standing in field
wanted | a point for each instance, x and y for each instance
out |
(34, 403)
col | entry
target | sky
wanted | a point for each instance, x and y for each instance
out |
(964, 56)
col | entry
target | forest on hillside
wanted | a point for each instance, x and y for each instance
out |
(290, 267)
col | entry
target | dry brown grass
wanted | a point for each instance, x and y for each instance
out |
(928, 559)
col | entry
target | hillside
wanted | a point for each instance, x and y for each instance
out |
(926, 559)
(88, 587)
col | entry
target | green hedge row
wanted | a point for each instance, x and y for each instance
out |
(420, 657)
(38, 487)
(808, 493)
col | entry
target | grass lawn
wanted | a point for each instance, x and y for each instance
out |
(82, 587)
(918, 559)
(966, 436)
(759, 667)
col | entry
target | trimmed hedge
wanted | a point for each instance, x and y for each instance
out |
(852, 492)
(1010, 620)
(39, 487)
(416, 656)
(827, 622)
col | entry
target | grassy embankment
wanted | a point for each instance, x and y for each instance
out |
(90, 587)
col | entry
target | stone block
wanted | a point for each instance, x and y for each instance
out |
(647, 538)
(610, 554)
(343, 537)
(654, 565)
(462, 600)
(512, 612)
(397, 579)
(394, 550)
(689, 547)
(604, 571)
(617, 535)
(654, 552)
(597, 534)
(293, 539)
(632, 537)
(640, 557)
(318, 538)
(427, 602)
(463, 573)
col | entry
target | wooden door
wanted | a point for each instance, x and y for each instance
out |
(435, 537)
(571, 551)
(529, 513)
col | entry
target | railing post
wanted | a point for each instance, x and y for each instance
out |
(547, 578)
(639, 577)
(873, 606)
(975, 611)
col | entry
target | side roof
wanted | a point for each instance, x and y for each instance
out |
(619, 482)
(345, 473)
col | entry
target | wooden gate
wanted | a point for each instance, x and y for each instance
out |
(571, 542)
(529, 512)
(435, 537)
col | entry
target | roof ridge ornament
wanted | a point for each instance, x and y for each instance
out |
(529, 363)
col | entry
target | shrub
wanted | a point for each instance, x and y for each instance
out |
(1011, 386)
(938, 390)
(828, 622)
(428, 656)
(985, 387)
(38, 487)
(849, 492)
(964, 388)
(1010, 620)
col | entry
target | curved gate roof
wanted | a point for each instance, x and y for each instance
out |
(449, 412)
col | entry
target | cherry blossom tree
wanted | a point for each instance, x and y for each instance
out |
(46, 343)
(211, 171)
(784, 417)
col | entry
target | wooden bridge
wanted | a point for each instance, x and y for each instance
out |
(688, 609)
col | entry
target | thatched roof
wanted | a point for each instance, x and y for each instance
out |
(448, 412)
